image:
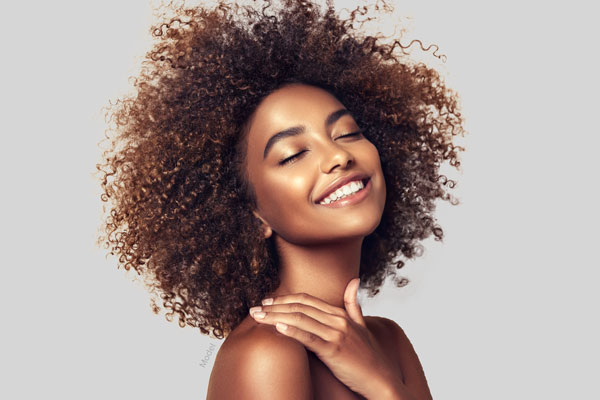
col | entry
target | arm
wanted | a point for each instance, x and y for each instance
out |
(414, 376)
(264, 365)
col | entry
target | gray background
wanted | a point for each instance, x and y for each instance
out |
(505, 307)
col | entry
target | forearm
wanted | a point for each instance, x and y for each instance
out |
(395, 392)
(391, 388)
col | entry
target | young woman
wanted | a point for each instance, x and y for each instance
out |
(277, 160)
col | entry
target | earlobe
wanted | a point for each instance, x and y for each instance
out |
(268, 232)
(266, 228)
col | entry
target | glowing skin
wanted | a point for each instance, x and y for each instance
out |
(319, 245)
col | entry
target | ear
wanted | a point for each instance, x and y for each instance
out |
(266, 227)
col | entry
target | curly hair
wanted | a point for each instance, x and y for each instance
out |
(174, 173)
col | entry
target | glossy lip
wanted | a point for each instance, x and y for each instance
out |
(341, 182)
(352, 199)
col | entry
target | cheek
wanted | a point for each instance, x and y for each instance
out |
(369, 157)
(372, 155)
(280, 194)
(278, 186)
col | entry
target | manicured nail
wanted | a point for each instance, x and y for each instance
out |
(281, 326)
(267, 302)
(259, 315)
(255, 309)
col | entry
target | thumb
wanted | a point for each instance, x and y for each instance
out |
(351, 302)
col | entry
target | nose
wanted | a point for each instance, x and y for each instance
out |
(334, 156)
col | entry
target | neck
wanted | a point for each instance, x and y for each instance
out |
(322, 271)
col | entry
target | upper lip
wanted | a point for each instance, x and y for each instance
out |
(338, 183)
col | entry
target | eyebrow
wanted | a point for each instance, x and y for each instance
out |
(297, 130)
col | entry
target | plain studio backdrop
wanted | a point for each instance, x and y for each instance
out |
(505, 307)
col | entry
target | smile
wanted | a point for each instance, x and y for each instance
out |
(351, 193)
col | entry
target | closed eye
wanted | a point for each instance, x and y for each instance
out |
(357, 133)
(292, 158)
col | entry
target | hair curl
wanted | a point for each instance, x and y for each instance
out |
(174, 173)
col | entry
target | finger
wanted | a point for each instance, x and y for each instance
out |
(308, 299)
(300, 321)
(334, 321)
(311, 341)
(351, 302)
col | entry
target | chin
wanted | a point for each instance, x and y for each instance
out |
(360, 229)
(372, 227)
(325, 237)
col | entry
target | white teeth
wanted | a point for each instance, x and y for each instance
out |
(344, 191)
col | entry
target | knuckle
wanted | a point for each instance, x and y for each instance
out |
(298, 316)
(344, 324)
(295, 307)
(334, 349)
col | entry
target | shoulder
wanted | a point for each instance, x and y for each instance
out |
(386, 330)
(382, 324)
(404, 352)
(389, 329)
(260, 363)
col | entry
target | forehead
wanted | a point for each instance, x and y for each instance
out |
(295, 104)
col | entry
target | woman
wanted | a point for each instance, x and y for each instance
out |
(280, 155)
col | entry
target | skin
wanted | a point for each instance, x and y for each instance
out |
(315, 311)
(319, 247)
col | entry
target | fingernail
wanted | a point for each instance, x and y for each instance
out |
(255, 309)
(267, 302)
(281, 326)
(259, 315)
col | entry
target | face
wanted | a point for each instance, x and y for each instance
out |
(302, 144)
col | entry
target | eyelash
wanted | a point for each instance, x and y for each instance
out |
(292, 158)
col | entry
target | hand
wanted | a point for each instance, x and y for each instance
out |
(338, 336)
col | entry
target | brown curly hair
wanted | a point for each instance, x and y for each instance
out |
(180, 202)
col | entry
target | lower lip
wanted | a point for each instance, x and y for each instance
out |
(352, 199)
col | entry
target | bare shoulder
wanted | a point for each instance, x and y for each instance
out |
(383, 326)
(257, 362)
(391, 330)
(412, 370)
